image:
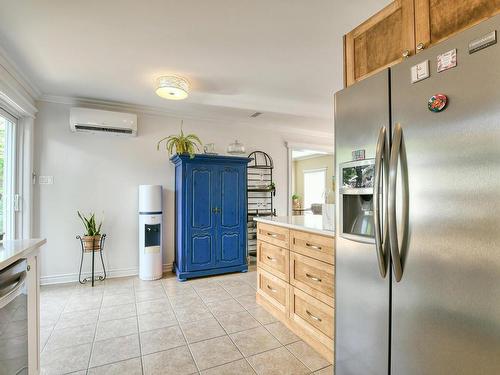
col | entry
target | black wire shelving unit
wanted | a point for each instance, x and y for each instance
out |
(260, 195)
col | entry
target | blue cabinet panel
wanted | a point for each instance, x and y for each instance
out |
(230, 248)
(230, 205)
(202, 254)
(211, 211)
(201, 205)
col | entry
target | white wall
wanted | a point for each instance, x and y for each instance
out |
(102, 173)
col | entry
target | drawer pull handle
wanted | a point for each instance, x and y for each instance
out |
(271, 289)
(271, 258)
(313, 278)
(313, 316)
(313, 246)
(273, 235)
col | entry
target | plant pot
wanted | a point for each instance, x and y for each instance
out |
(296, 204)
(91, 243)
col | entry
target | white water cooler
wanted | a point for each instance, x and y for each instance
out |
(150, 232)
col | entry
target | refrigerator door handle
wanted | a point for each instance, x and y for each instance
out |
(398, 152)
(381, 167)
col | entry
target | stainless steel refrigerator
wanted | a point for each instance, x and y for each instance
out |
(418, 214)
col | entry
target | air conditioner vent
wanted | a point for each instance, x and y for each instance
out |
(104, 130)
(87, 120)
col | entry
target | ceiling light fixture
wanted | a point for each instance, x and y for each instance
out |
(172, 87)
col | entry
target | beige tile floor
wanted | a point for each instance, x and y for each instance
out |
(206, 326)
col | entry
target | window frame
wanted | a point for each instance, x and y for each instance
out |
(315, 170)
(11, 168)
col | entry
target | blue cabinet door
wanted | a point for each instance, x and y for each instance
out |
(231, 219)
(201, 198)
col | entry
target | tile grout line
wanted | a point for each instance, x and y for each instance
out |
(230, 338)
(283, 345)
(95, 334)
(180, 327)
(57, 321)
(138, 329)
(177, 321)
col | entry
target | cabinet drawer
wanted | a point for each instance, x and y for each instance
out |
(312, 276)
(314, 316)
(273, 289)
(313, 245)
(274, 235)
(273, 259)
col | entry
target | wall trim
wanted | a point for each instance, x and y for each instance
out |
(158, 111)
(73, 277)
(28, 85)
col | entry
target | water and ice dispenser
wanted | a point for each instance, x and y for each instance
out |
(150, 232)
(356, 200)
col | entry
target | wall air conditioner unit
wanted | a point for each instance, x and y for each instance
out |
(98, 121)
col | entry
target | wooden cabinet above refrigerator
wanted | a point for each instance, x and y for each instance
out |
(406, 27)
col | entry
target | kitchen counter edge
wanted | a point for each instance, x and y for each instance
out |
(287, 222)
(13, 250)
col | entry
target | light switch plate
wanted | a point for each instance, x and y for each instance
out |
(46, 180)
(420, 71)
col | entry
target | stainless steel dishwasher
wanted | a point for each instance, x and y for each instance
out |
(13, 319)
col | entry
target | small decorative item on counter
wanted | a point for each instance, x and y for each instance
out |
(91, 240)
(236, 148)
(209, 149)
(184, 144)
(296, 201)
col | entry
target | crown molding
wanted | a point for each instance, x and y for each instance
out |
(158, 111)
(17, 74)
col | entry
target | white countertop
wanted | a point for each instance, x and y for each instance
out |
(307, 223)
(12, 250)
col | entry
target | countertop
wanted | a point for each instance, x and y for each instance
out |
(308, 223)
(12, 250)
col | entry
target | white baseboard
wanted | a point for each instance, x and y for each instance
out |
(73, 277)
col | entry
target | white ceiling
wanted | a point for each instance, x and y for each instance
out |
(280, 57)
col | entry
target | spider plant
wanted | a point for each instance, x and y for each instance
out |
(91, 227)
(184, 144)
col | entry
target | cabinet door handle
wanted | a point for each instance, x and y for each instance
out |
(313, 278)
(271, 258)
(313, 316)
(273, 235)
(271, 289)
(313, 246)
(420, 46)
(406, 53)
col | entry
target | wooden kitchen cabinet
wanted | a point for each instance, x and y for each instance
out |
(406, 27)
(437, 20)
(295, 282)
(379, 42)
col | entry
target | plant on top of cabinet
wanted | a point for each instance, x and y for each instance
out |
(92, 238)
(184, 144)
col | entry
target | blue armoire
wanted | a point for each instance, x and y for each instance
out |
(211, 215)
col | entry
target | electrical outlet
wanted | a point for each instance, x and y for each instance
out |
(45, 180)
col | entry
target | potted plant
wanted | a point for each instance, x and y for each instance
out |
(92, 237)
(296, 201)
(184, 144)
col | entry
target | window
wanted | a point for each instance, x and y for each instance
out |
(314, 186)
(7, 175)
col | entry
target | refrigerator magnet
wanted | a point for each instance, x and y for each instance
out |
(447, 60)
(437, 102)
